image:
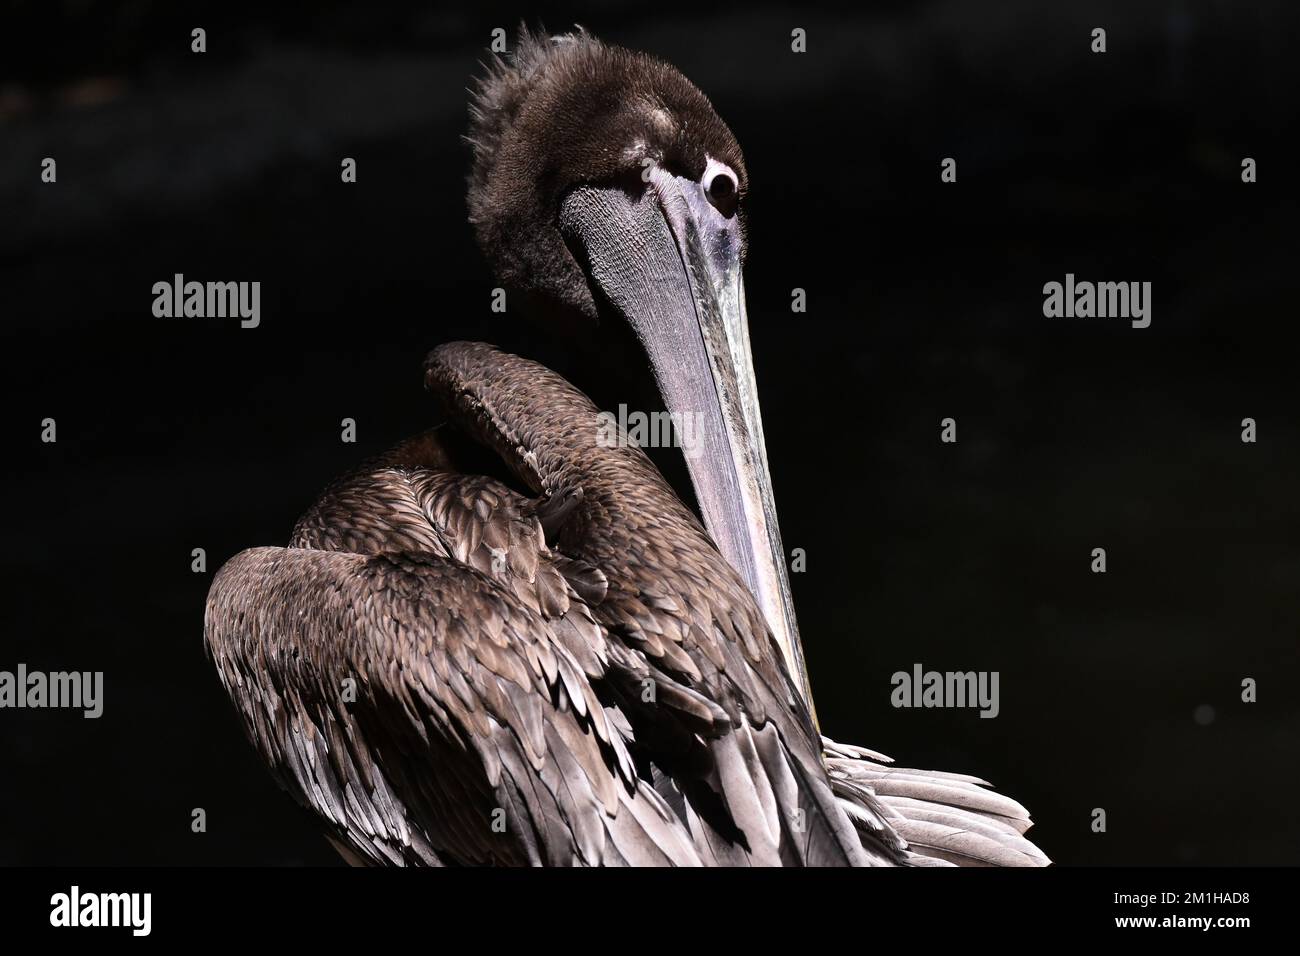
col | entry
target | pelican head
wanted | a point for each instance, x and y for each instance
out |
(605, 187)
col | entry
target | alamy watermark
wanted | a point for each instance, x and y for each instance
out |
(922, 688)
(77, 690)
(650, 430)
(75, 908)
(1102, 300)
(208, 300)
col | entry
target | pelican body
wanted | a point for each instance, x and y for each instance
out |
(558, 662)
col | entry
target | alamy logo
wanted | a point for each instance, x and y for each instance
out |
(1102, 300)
(75, 908)
(208, 300)
(922, 688)
(653, 430)
(36, 689)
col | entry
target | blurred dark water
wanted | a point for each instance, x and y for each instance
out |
(925, 301)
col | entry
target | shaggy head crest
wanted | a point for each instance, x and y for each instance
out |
(568, 110)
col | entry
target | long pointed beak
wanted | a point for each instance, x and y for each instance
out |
(669, 262)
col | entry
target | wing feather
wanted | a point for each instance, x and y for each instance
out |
(446, 734)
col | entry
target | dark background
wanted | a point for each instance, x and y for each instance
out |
(924, 302)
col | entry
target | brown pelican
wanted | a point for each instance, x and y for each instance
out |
(566, 667)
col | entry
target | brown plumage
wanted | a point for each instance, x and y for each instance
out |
(498, 673)
(560, 665)
(483, 676)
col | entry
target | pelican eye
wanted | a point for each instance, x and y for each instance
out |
(721, 190)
